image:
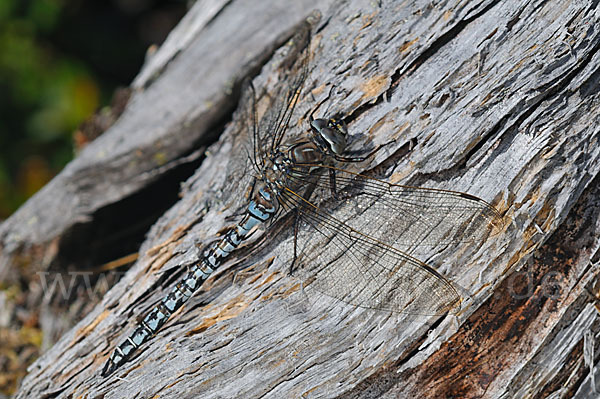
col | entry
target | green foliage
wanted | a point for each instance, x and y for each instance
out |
(44, 96)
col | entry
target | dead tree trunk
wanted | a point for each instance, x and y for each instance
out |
(499, 100)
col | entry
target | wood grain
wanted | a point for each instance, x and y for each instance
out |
(497, 100)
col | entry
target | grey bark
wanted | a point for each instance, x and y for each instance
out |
(497, 100)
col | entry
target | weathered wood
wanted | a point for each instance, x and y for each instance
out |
(498, 100)
(163, 121)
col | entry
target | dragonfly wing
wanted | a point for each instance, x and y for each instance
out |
(363, 271)
(406, 217)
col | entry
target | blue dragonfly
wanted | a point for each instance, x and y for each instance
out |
(369, 224)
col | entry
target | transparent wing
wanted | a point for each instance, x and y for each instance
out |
(239, 168)
(360, 270)
(259, 137)
(276, 121)
(403, 217)
(291, 99)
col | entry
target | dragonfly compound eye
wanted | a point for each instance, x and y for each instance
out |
(339, 125)
(330, 133)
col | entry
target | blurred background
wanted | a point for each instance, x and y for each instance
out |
(64, 69)
(61, 61)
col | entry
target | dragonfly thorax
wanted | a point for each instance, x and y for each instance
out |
(273, 170)
(305, 153)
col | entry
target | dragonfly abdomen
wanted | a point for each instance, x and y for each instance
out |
(261, 209)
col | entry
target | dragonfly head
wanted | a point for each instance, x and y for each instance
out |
(330, 134)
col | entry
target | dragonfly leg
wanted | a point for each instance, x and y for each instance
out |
(332, 185)
(365, 157)
(296, 223)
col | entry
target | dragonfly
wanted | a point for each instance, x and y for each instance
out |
(366, 222)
